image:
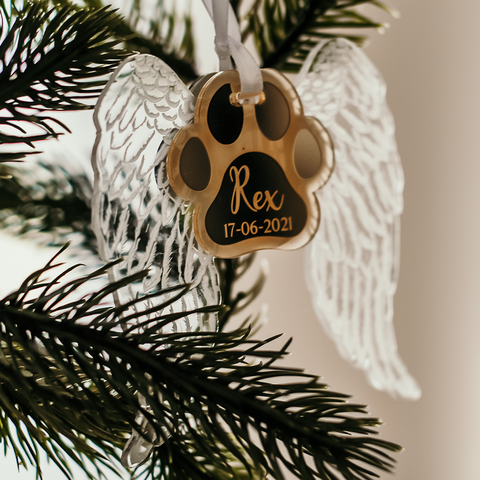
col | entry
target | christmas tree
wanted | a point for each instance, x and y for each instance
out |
(215, 403)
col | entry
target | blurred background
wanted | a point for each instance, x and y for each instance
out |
(430, 61)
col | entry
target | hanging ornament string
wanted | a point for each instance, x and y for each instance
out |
(228, 45)
(221, 12)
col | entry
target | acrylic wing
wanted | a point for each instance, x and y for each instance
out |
(353, 259)
(136, 215)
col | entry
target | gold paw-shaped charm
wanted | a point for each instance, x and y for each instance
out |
(251, 170)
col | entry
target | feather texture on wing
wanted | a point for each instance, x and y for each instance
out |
(353, 258)
(137, 216)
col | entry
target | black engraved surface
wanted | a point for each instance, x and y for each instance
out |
(225, 121)
(195, 164)
(273, 115)
(255, 200)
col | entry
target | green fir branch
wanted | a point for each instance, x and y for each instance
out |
(46, 203)
(284, 31)
(186, 460)
(52, 59)
(230, 271)
(182, 64)
(166, 27)
(70, 372)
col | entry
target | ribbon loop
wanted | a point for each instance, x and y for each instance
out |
(228, 45)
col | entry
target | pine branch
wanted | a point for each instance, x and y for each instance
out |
(46, 202)
(36, 396)
(70, 375)
(285, 31)
(161, 38)
(52, 59)
(71, 372)
(186, 461)
(182, 64)
(230, 271)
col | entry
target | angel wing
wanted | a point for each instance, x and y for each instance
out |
(353, 260)
(136, 215)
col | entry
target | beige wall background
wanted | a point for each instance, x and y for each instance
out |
(430, 61)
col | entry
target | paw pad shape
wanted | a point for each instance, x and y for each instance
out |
(251, 170)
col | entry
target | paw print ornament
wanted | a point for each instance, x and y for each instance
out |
(251, 170)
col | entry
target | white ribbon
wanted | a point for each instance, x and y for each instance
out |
(228, 44)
